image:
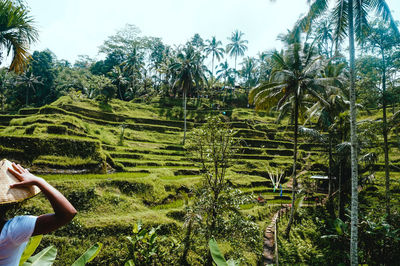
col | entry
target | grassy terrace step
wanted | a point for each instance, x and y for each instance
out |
(274, 144)
(246, 153)
(65, 162)
(142, 156)
(35, 146)
(95, 177)
(247, 142)
(121, 149)
(134, 163)
(5, 119)
(266, 189)
(250, 133)
(179, 177)
(175, 170)
(123, 118)
(47, 110)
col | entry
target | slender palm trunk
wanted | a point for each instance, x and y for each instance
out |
(120, 94)
(385, 136)
(294, 185)
(212, 65)
(353, 141)
(184, 117)
(186, 244)
(27, 96)
(340, 200)
(330, 167)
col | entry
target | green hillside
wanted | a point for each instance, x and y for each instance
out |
(125, 162)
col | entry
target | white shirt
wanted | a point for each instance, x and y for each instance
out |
(14, 237)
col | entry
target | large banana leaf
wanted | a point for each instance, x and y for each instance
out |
(45, 257)
(30, 248)
(89, 255)
(129, 263)
(216, 254)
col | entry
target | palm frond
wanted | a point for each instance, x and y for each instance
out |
(317, 8)
(383, 10)
(340, 15)
(312, 133)
(360, 19)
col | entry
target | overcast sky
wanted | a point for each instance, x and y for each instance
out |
(78, 27)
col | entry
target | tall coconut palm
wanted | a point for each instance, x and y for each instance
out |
(189, 69)
(326, 115)
(212, 47)
(227, 74)
(17, 32)
(29, 81)
(382, 39)
(118, 79)
(295, 74)
(351, 20)
(133, 66)
(248, 72)
(237, 46)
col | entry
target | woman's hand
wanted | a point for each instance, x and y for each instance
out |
(23, 175)
(64, 212)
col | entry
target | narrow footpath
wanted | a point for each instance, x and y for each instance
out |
(269, 237)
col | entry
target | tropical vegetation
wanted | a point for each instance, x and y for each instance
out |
(174, 156)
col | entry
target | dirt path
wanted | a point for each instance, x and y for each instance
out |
(269, 237)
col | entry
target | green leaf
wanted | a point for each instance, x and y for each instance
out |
(30, 248)
(137, 227)
(216, 253)
(232, 262)
(129, 263)
(89, 255)
(340, 226)
(45, 257)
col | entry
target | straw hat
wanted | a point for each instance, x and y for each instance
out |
(12, 195)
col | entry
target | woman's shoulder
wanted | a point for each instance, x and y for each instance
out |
(21, 219)
(19, 228)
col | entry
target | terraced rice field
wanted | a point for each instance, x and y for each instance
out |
(127, 165)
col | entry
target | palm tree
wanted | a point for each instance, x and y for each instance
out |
(327, 114)
(189, 69)
(351, 20)
(381, 38)
(295, 75)
(227, 74)
(29, 81)
(133, 66)
(118, 79)
(16, 33)
(248, 71)
(212, 47)
(237, 47)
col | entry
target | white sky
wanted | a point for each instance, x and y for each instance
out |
(75, 27)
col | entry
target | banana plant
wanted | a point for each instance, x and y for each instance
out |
(47, 256)
(217, 255)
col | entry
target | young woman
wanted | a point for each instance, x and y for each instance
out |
(16, 232)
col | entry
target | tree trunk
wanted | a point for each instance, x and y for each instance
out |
(294, 185)
(212, 71)
(385, 136)
(27, 96)
(120, 94)
(353, 141)
(184, 117)
(330, 167)
(340, 200)
(186, 244)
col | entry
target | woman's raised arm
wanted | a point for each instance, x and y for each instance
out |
(64, 212)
